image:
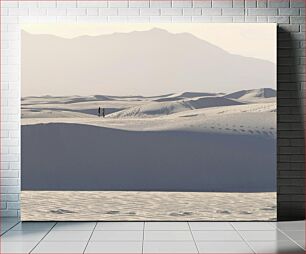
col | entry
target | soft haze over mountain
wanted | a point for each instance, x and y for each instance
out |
(139, 63)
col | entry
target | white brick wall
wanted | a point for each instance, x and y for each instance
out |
(289, 13)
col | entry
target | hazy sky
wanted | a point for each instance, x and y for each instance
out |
(252, 40)
(173, 58)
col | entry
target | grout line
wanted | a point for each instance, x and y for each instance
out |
(244, 240)
(193, 237)
(290, 238)
(90, 236)
(10, 228)
(42, 238)
(143, 232)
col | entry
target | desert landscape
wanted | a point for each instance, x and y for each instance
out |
(175, 147)
(148, 122)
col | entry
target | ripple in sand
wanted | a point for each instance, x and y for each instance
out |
(61, 211)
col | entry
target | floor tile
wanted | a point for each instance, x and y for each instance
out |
(60, 247)
(101, 236)
(166, 226)
(169, 247)
(22, 236)
(216, 236)
(17, 247)
(33, 226)
(253, 226)
(276, 247)
(167, 236)
(297, 235)
(63, 226)
(120, 226)
(67, 236)
(290, 225)
(263, 235)
(223, 247)
(211, 226)
(114, 247)
(4, 226)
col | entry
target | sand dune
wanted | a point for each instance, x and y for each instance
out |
(156, 160)
(153, 109)
(204, 140)
(252, 95)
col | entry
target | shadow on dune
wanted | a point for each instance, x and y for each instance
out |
(61, 156)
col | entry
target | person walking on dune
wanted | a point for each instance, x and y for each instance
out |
(99, 111)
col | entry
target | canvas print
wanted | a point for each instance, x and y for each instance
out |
(148, 122)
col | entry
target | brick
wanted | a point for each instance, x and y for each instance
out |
(92, 11)
(202, 3)
(160, 19)
(297, 20)
(201, 19)
(289, 11)
(171, 11)
(138, 19)
(47, 4)
(66, 4)
(18, 12)
(9, 181)
(108, 11)
(222, 3)
(222, 19)
(181, 3)
(249, 19)
(38, 11)
(28, 4)
(192, 11)
(262, 3)
(128, 11)
(288, 28)
(13, 205)
(9, 213)
(139, 4)
(9, 173)
(262, 12)
(260, 19)
(233, 11)
(91, 4)
(181, 19)
(160, 4)
(279, 20)
(118, 19)
(278, 3)
(76, 12)
(291, 150)
(238, 3)
(297, 3)
(9, 197)
(57, 12)
(211, 11)
(238, 19)
(250, 3)
(118, 4)
(149, 12)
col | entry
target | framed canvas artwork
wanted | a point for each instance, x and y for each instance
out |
(148, 122)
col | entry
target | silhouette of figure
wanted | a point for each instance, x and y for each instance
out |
(103, 112)
(99, 111)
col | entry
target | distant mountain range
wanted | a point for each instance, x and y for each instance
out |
(154, 61)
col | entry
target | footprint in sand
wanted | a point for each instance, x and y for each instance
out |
(223, 211)
(61, 211)
(112, 212)
(245, 212)
(181, 214)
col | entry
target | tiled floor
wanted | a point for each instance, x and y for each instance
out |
(152, 237)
